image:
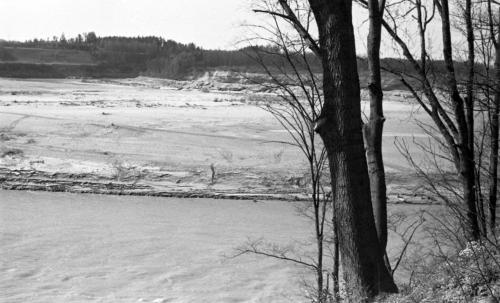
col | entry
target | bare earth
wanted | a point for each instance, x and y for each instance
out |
(158, 137)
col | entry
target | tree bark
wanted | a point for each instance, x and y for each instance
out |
(340, 126)
(372, 130)
(336, 260)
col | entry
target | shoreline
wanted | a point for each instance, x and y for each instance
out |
(32, 180)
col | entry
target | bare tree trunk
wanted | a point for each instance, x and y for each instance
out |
(466, 162)
(469, 105)
(372, 130)
(456, 125)
(318, 222)
(319, 271)
(493, 166)
(470, 74)
(340, 128)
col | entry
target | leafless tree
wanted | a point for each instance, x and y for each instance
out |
(339, 125)
(373, 128)
(488, 28)
(450, 108)
(292, 72)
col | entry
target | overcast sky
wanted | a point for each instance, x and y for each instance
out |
(212, 24)
(207, 23)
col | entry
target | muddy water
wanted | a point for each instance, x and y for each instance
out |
(61, 247)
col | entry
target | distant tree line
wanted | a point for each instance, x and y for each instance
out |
(83, 41)
(148, 55)
(155, 56)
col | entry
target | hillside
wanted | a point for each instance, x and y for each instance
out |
(126, 57)
(93, 56)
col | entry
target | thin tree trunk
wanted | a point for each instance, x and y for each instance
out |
(372, 130)
(469, 105)
(493, 167)
(470, 74)
(319, 231)
(466, 159)
(339, 126)
(319, 272)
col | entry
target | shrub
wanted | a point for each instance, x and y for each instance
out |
(472, 274)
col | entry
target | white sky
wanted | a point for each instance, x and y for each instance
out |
(207, 23)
